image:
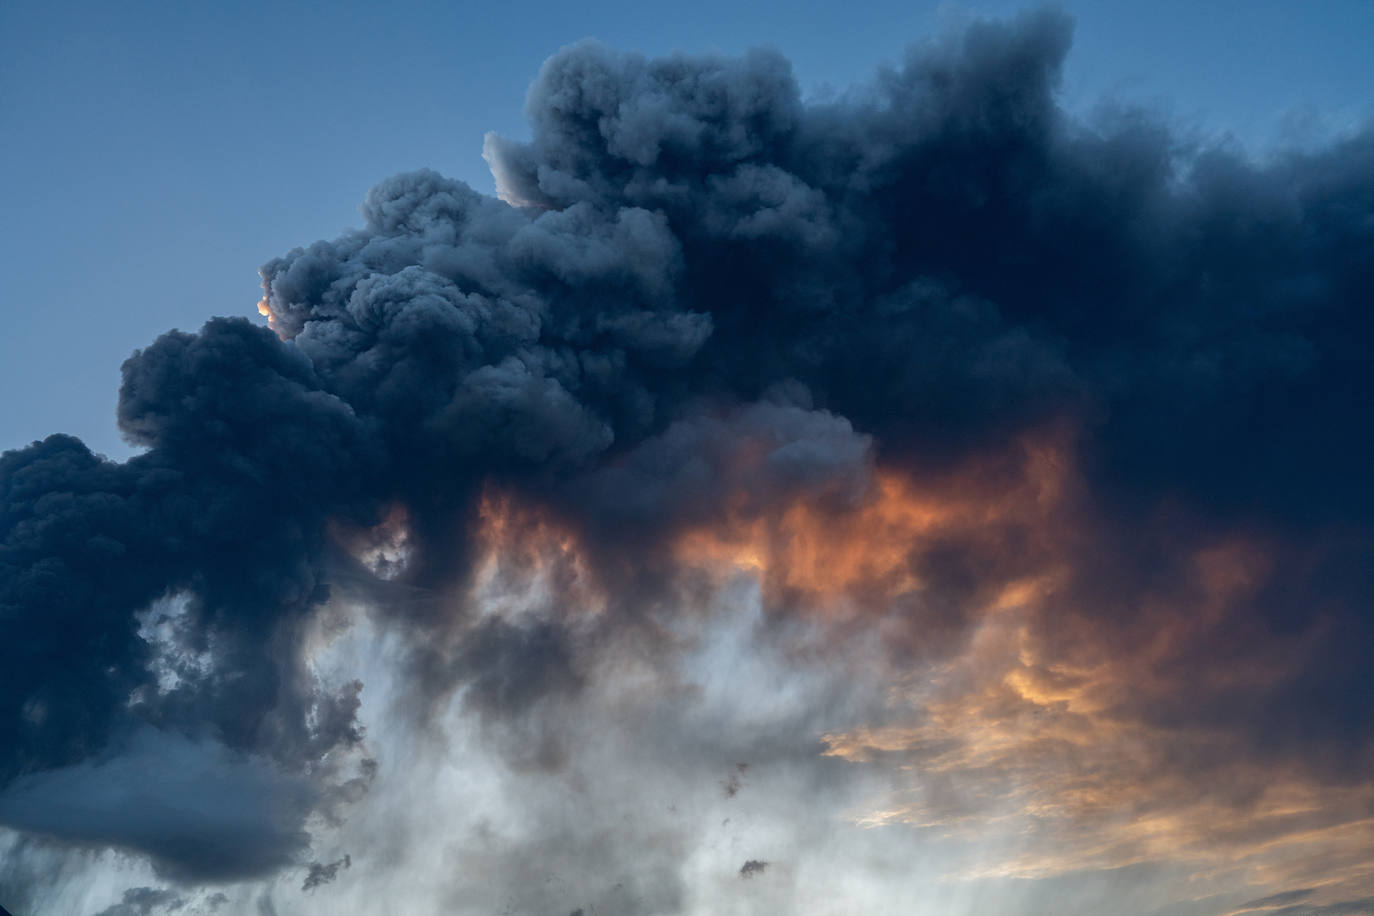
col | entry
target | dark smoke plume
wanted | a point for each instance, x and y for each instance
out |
(698, 300)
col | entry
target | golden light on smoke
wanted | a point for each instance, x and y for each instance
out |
(265, 310)
(867, 553)
(1019, 745)
(1036, 759)
(837, 559)
(527, 562)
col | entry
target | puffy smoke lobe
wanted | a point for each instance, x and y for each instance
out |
(699, 305)
(195, 810)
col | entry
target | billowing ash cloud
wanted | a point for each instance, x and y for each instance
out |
(1070, 420)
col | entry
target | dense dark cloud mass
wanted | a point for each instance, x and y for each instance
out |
(197, 812)
(700, 302)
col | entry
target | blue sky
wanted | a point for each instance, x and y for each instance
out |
(155, 154)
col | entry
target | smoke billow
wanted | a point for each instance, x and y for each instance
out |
(1044, 444)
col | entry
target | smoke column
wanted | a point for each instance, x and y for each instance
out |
(923, 502)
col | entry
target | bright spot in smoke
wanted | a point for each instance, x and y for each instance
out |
(265, 310)
(384, 549)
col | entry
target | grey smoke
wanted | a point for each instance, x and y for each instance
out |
(691, 265)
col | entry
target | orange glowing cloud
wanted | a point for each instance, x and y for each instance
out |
(1022, 739)
(1041, 763)
(867, 556)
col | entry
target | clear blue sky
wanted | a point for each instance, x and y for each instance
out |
(155, 154)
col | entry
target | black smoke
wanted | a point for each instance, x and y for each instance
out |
(689, 263)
